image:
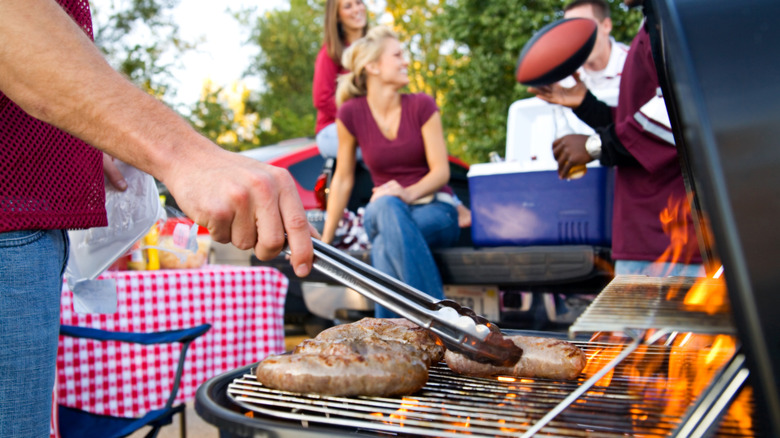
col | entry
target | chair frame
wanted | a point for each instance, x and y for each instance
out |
(182, 336)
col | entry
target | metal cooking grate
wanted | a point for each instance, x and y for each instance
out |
(639, 302)
(635, 401)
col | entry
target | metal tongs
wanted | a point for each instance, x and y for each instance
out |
(487, 346)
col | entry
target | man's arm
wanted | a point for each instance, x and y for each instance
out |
(51, 69)
(594, 112)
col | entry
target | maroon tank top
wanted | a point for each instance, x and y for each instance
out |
(48, 179)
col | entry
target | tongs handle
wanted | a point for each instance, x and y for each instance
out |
(418, 307)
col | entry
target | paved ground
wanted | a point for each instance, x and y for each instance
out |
(196, 427)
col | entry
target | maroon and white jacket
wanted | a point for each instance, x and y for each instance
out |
(650, 196)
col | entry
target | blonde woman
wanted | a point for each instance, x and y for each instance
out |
(411, 209)
(345, 23)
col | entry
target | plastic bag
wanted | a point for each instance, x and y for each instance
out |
(130, 216)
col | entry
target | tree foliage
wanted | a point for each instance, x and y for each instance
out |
(429, 65)
(488, 35)
(221, 114)
(289, 40)
(140, 39)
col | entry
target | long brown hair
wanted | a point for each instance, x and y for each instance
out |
(334, 34)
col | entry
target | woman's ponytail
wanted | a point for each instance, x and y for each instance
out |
(355, 59)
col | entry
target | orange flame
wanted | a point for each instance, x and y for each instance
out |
(677, 377)
(708, 295)
(674, 222)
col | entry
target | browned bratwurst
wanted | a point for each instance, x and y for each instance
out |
(372, 357)
(389, 329)
(542, 357)
(378, 374)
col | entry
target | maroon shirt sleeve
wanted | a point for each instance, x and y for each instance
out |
(425, 107)
(326, 73)
(651, 152)
(347, 113)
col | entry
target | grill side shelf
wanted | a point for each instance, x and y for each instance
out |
(640, 302)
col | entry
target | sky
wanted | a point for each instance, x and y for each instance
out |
(222, 56)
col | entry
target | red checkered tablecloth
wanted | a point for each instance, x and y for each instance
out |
(244, 305)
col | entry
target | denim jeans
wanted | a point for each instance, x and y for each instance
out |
(31, 268)
(328, 142)
(401, 236)
(658, 269)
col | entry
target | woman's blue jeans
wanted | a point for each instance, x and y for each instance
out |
(31, 268)
(401, 236)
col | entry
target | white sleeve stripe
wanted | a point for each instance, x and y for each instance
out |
(650, 126)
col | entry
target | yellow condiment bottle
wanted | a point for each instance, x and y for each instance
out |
(137, 262)
(152, 255)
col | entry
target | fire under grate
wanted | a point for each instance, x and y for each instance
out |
(646, 394)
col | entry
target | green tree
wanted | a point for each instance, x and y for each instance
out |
(289, 40)
(221, 115)
(429, 65)
(487, 37)
(140, 39)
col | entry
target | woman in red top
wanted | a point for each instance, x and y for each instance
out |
(345, 23)
(412, 208)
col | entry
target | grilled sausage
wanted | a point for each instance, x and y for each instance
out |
(372, 357)
(378, 374)
(542, 358)
(391, 329)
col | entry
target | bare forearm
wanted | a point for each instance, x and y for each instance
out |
(50, 68)
(436, 155)
(430, 183)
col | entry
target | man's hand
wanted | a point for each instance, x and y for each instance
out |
(245, 202)
(570, 151)
(554, 93)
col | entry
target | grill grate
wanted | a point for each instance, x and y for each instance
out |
(636, 400)
(639, 302)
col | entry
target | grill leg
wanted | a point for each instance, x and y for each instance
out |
(183, 423)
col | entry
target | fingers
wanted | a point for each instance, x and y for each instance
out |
(268, 222)
(392, 188)
(113, 174)
(558, 146)
(561, 156)
(564, 167)
(299, 231)
(247, 203)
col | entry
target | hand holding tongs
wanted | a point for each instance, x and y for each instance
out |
(483, 344)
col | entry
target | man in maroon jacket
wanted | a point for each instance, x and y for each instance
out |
(653, 233)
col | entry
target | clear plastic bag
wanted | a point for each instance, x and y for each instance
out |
(130, 216)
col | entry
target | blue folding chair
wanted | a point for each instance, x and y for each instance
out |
(76, 423)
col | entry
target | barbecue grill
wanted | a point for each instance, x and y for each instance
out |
(662, 360)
